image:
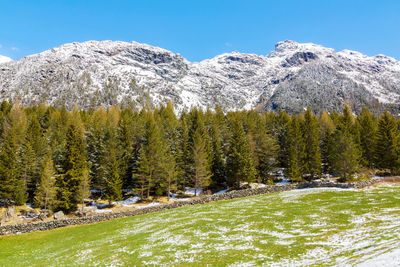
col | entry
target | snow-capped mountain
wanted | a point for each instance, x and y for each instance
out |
(4, 59)
(291, 77)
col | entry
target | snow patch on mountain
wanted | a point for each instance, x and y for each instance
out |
(4, 59)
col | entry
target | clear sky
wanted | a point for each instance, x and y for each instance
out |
(204, 28)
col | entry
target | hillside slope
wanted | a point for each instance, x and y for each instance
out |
(291, 77)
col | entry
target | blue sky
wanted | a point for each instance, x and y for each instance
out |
(204, 28)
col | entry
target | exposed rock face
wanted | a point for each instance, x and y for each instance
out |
(299, 58)
(291, 77)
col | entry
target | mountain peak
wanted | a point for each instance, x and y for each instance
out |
(109, 44)
(286, 44)
(4, 59)
(287, 47)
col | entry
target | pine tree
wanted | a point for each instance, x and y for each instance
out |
(46, 191)
(264, 148)
(184, 154)
(96, 147)
(171, 170)
(240, 166)
(170, 162)
(5, 108)
(367, 127)
(222, 125)
(280, 131)
(387, 143)
(144, 172)
(56, 133)
(197, 126)
(130, 131)
(73, 184)
(201, 167)
(295, 149)
(346, 118)
(311, 160)
(347, 121)
(12, 186)
(170, 125)
(29, 170)
(200, 156)
(32, 154)
(326, 128)
(151, 153)
(84, 187)
(126, 145)
(112, 179)
(344, 153)
(218, 164)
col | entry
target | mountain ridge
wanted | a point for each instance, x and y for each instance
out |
(290, 77)
(4, 59)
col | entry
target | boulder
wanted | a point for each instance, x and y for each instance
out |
(58, 215)
(8, 214)
(87, 211)
(256, 185)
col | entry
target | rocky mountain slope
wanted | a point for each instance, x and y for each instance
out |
(291, 77)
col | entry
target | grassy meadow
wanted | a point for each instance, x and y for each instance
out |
(297, 228)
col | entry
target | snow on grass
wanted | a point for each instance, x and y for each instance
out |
(283, 182)
(193, 191)
(221, 192)
(128, 202)
(103, 211)
(388, 258)
(146, 206)
(100, 205)
(297, 228)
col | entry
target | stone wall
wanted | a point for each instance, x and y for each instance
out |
(42, 226)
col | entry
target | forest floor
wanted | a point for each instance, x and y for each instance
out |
(297, 228)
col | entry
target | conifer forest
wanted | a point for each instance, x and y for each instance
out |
(52, 157)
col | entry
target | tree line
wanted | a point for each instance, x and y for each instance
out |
(52, 157)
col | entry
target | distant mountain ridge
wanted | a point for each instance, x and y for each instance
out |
(291, 77)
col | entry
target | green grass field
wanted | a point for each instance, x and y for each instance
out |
(301, 227)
